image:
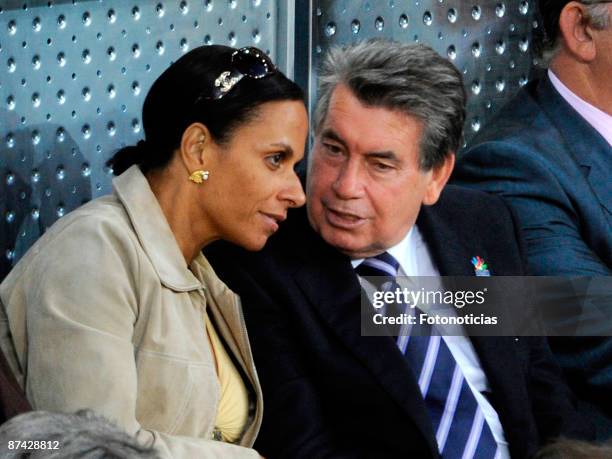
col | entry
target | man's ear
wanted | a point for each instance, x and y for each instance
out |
(437, 181)
(195, 142)
(576, 32)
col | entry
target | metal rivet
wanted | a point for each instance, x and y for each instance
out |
(159, 8)
(475, 125)
(500, 10)
(476, 13)
(476, 50)
(36, 99)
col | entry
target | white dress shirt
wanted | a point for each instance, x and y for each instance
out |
(415, 260)
(598, 119)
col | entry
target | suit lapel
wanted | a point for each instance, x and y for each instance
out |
(334, 291)
(593, 156)
(449, 253)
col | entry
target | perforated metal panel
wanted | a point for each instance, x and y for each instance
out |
(73, 77)
(488, 41)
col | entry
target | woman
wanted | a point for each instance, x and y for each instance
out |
(116, 309)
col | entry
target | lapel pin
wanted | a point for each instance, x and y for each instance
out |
(480, 267)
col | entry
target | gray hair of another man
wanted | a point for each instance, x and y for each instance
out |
(82, 435)
(408, 78)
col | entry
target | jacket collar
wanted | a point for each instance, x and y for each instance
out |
(593, 155)
(153, 231)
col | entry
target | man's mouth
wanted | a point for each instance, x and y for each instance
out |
(343, 219)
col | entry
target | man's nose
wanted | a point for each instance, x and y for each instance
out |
(349, 182)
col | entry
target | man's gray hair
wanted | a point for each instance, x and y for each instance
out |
(80, 435)
(598, 17)
(409, 78)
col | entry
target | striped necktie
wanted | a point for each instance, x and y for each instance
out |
(461, 429)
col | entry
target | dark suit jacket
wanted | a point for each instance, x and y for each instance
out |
(555, 171)
(330, 392)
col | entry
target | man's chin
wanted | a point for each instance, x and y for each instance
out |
(342, 243)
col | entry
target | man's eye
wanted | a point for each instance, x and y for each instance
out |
(382, 167)
(331, 148)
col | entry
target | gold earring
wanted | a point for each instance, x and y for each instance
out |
(199, 176)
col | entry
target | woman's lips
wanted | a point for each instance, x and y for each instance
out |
(272, 220)
(343, 219)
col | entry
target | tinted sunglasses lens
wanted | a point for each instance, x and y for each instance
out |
(252, 63)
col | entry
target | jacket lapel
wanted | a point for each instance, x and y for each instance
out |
(334, 291)
(593, 156)
(224, 307)
(450, 254)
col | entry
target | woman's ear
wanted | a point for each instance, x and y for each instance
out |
(195, 142)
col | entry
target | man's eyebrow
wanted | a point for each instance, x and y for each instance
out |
(330, 134)
(388, 155)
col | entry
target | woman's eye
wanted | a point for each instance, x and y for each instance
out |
(276, 159)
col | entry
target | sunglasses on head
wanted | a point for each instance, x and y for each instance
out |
(247, 62)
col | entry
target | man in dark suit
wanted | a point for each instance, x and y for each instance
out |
(548, 153)
(387, 123)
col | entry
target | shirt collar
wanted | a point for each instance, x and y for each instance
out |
(153, 231)
(598, 119)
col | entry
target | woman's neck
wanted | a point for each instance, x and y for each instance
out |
(178, 201)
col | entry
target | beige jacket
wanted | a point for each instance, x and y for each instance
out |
(103, 313)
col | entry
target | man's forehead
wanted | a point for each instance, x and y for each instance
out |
(345, 107)
(353, 123)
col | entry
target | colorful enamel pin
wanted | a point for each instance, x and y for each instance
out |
(480, 267)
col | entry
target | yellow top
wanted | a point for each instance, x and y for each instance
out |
(233, 410)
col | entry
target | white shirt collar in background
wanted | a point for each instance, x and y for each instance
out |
(599, 120)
